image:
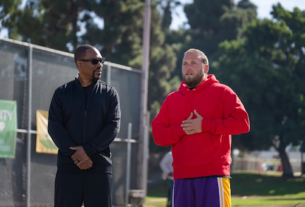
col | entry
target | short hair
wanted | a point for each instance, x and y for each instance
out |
(202, 56)
(80, 52)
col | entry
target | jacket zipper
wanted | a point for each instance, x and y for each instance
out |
(85, 127)
(85, 112)
(85, 115)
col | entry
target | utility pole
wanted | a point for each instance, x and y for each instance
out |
(144, 115)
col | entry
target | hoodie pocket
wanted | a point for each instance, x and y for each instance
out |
(193, 150)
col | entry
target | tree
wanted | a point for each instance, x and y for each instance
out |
(206, 29)
(167, 7)
(214, 22)
(233, 21)
(57, 24)
(120, 38)
(47, 23)
(162, 64)
(266, 69)
(7, 8)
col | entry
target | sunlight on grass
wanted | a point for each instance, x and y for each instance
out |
(259, 201)
(249, 188)
(153, 201)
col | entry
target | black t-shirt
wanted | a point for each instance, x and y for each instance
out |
(87, 90)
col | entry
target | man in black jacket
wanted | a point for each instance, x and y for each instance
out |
(84, 119)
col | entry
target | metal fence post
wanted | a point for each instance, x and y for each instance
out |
(145, 155)
(28, 170)
(108, 75)
(128, 163)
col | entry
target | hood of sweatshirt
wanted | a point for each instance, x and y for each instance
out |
(210, 80)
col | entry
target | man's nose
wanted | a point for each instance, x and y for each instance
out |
(100, 64)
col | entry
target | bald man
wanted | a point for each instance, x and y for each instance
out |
(84, 119)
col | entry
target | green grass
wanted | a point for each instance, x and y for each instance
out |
(156, 202)
(245, 184)
(249, 189)
(236, 201)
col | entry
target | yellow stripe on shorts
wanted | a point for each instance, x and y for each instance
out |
(224, 192)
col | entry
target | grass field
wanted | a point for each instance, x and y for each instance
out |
(250, 189)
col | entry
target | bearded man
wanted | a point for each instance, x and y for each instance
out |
(198, 121)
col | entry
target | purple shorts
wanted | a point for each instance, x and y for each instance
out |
(202, 192)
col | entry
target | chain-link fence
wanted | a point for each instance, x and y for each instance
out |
(48, 69)
(260, 165)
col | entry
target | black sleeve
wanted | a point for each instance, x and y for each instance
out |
(111, 129)
(55, 126)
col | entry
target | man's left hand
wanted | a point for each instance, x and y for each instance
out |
(79, 155)
(192, 126)
(85, 164)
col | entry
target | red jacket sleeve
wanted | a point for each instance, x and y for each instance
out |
(165, 134)
(235, 119)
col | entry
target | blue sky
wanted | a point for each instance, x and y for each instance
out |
(264, 8)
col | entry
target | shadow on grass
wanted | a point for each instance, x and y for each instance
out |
(287, 199)
(250, 184)
(157, 190)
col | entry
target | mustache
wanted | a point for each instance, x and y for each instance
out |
(94, 71)
(188, 72)
(97, 69)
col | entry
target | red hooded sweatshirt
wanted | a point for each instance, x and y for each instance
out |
(206, 153)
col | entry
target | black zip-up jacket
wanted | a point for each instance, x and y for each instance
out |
(94, 127)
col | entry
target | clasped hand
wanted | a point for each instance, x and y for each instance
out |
(81, 159)
(192, 126)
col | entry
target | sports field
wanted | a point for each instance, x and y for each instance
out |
(250, 189)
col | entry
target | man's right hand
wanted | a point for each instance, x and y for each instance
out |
(85, 164)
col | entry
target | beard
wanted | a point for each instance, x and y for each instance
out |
(96, 77)
(194, 81)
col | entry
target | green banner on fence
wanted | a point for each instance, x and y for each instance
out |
(8, 128)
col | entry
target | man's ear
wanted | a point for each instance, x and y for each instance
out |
(206, 68)
(79, 64)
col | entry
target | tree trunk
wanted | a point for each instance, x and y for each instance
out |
(287, 169)
(302, 163)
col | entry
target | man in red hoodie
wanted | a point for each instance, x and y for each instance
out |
(198, 121)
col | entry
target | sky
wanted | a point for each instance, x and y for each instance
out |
(263, 9)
